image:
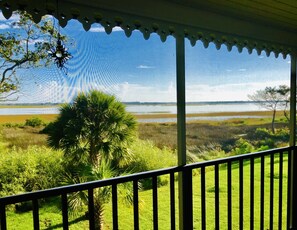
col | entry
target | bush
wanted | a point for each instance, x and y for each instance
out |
(35, 168)
(34, 122)
(242, 146)
(262, 133)
(265, 137)
(145, 156)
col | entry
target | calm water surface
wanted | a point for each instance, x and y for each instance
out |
(149, 109)
(157, 108)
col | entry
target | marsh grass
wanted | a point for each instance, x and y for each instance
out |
(23, 136)
(199, 134)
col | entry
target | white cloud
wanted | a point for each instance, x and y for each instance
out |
(101, 29)
(4, 26)
(145, 67)
(136, 92)
(54, 92)
(242, 70)
(226, 92)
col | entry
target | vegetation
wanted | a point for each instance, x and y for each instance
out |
(273, 99)
(26, 45)
(29, 161)
(94, 132)
(27, 170)
(50, 215)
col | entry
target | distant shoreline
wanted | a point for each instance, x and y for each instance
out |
(52, 117)
(54, 105)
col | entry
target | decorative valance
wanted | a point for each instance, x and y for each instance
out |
(166, 18)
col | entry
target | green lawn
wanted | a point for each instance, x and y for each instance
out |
(50, 215)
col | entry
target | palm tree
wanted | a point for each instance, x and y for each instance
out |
(94, 131)
(93, 127)
(79, 173)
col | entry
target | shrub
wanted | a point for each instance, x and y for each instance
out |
(265, 137)
(262, 133)
(242, 146)
(145, 156)
(26, 170)
(34, 122)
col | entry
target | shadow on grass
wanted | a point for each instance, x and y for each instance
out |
(75, 221)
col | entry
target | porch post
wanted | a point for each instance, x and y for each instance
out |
(293, 163)
(185, 177)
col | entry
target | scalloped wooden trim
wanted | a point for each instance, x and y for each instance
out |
(129, 23)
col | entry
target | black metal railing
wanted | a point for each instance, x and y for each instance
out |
(226, 193)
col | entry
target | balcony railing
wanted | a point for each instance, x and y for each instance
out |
(237, 193)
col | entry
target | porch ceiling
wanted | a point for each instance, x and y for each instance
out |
(269, 25)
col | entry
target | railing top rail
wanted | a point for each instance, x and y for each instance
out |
(132, 177)
(239, 157)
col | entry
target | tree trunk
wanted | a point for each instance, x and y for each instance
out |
(98, 212)
(273, 120)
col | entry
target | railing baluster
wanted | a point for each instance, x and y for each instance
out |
(135, 205)
(172, 201)
(271, 190)
(91, 209)
(35, 214)
(280, 192)
(241, 194)
(115, 221)
(203, 209)
(252, 193)
(65, 211)
(3, 217)
(289, 189)
(155, 202)
(262, 192)
(188, 198)
(217, 197)
(229, 181)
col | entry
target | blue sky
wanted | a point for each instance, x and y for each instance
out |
(135, 69)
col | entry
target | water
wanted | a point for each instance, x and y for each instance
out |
(195, 108)
(151, 108)
(158, 108)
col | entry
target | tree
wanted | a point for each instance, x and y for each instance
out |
(24, 45)
(94, 131)
(273, 99)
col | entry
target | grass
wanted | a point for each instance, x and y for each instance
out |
(50, 215)
(198, 133)
(23, 137)
(202, 133)
(126, 220)
(16, 119)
